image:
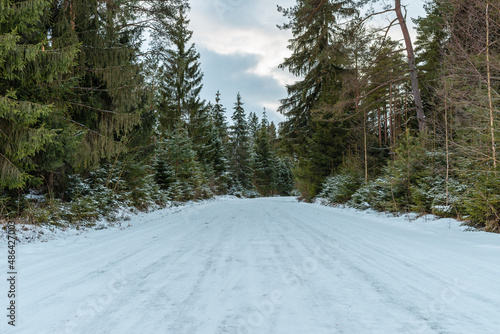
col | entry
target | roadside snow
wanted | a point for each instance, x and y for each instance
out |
(269, 265)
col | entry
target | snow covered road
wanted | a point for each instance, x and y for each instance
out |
(261, 266)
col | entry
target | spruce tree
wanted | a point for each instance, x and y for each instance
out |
(240, 149)
(177, 169)
(34, 62)
(470, 99)
(199, 131)
(265, 161)
(215, 160)
(284, 180)
(210, 148)
(216, 149)
(430, 48)
(253, 126)
(181, 77)
(105, 105)
(319, 58)
(219, 118)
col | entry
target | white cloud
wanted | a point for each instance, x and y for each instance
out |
(241, 48)
(228, 30)
(243, 27)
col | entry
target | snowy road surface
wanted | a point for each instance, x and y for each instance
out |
(261, 266)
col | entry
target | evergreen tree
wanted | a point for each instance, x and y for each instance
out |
(216, 159)
(273, 135)
(177, 169)
(470, 100)
(253, 126)
(200, 129)
(181, 77)
(106, 103)
(430, 48)
(219, 117)
(265, 161)
(284, 180)
(240, 149)
(318, 57)
(34, 63)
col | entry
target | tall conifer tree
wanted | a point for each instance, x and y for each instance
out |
(240, 148)
(181, 76)
(34, 62)
(219, 117)
(106, 103)
(319, 59)
(265, 161)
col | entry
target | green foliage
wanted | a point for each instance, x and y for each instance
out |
(106, 104)
(178, 171)
(482, 202)
(32, 71)
(265, 162)
(214, 160)
(181, 78)
(375, 194)
(241, 169)
(340, 188)
(430, 48)
(219, 119)
(318, 58)
(109, 190)
(405, 170)
(284, 180)
(324, 155)
(216, 149)
(164, 173)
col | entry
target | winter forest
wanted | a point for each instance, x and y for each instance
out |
(100, 111)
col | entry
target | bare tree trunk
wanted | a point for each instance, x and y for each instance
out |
(50, 184)
(488, 69)
(72, 15)
(391, 119)
(386, 125)
(366, 147)
(446, 140)
(379, 128)
(412, 66)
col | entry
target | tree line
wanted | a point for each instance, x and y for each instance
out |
(93, 119)
(396, 125)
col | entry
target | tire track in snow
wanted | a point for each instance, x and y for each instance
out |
(213, 268)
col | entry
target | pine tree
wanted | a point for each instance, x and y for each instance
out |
(318, 57)
(219, 117)
(265, 161)
(284, 180)
(469, 95)
(177, 169)
(164, 174)
(430, 48)
(181, 77)
(216, 160)
(34, 62)
(240, 149)
(273, 135)
(253, 126)
(200, 129)
(105, 103)
(214, 153)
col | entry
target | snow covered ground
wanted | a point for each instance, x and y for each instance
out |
(269, 265)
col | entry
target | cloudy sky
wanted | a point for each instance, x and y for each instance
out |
(241, 48)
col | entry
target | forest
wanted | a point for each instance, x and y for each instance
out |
(100, 111)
